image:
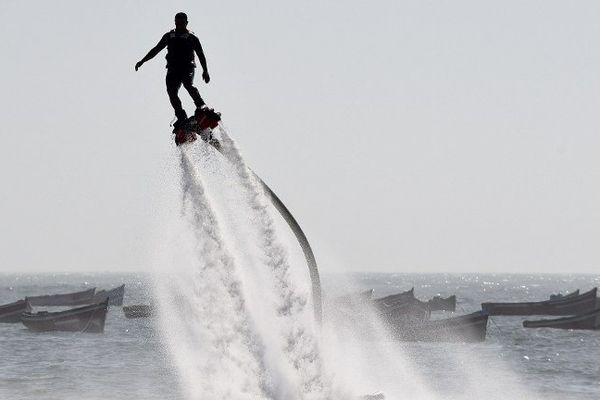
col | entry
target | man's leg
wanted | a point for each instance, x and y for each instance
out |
(188, 84)
(174, 81)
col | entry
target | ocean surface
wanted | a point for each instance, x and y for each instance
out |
(128, 361)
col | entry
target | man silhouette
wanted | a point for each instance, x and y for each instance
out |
(181, 45)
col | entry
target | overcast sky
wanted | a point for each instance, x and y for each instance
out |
(437, 136)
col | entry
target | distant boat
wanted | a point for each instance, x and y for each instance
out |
(402, 308)
(395, 298)
(83, 319)
(465, 328)
(114, 296)
(569, 305)
(408, 310)
(11, 313)
(66, 299)
(440, 304)
(560, 296)
(408, 319)
(138, 311)
(355, 310)
(590, 321)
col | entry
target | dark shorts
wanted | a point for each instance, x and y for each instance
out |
(177, 77)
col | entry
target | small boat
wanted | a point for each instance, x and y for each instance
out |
(559, 296)
(440, 304)
(402, 308)
(114, 296)
(570, 305)
(11, 313)
(395, 298)
(465, 328)
(83, 319)
(138, 311)
(66, 299)
(408, 311)
(589, 321)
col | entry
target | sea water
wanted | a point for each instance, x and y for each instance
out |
(130, 361)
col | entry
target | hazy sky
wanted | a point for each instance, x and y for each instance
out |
(404, 135)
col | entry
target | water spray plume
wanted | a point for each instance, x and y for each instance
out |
(235, 307)
(203, 307)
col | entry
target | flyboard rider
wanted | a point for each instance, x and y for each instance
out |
(181, 45)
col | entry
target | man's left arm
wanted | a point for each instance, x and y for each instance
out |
(202, 58)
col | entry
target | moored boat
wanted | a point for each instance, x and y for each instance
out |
(569, 305)
(65, 299)
(114, 296)
(465, 328)
(395, 298)
(589, 321)
(401, 308)
(138, 311)
(11, 313)
(408, 311)
(89, 318)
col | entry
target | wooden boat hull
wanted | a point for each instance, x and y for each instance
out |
(66, 299)
(409, 311)
(401, 309)
(408, 320)
(569, 305)
(401, 305)
(114, 296)
(587, 321)
(464, 329)
(138, 311)
(11, 313)
(89, 319)
(395, 298)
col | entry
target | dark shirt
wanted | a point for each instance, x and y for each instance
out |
(180, 49)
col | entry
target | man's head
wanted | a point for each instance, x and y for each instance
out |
(181, 21)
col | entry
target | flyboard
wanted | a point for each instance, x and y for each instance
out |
(201, 125)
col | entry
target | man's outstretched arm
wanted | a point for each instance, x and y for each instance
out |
(202, 59)
(153, 52)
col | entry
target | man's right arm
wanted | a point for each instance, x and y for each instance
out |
(153, 52)
(202, 58)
